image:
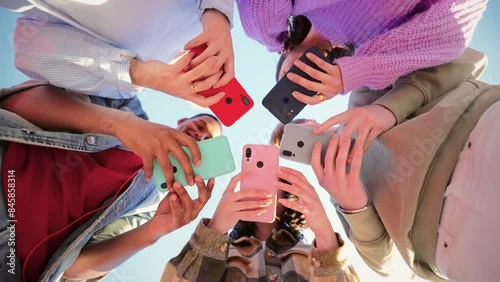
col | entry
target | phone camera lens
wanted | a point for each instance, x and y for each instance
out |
(260, 164)
(245, 101)
(287, 153)
(175, 169)
(300, 144)
(285, 100)
(248, 153)
(229, 100)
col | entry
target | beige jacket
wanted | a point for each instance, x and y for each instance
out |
(407, 168)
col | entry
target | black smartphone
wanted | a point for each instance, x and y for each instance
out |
(280, 102)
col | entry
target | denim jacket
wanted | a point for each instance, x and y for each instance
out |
(140, 197)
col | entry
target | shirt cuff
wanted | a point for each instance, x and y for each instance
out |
(210, 243)
(366, 226)
(224, 6)
(328, 262)
(116, 70)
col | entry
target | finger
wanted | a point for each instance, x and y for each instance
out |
(296, 178)
(183, 62)
(337, 119)
(247, 215)
(147, 164)
(330, 155)
(192, 146)
(363, 132)
(293, 205)
(234, 181)
(318, 169)
(244, 195)
(357, 158)
(369, 140)
(307, 84)
(342, 160)
(202, 190)
(197, 72)
(184, 198)
(312, 72)
(200, 39)
(209, 81)
(295, 190)
(185, 162)
(166, 167)
(207, 101)
(228, 72)
(310, 100)
(176, 207)
(207, 53)
(251, 205)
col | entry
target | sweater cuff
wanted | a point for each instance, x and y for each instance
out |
(356, 72)
(328, 262)
(116, 70)
(224, 6)
(366, 226)
(209, 242)
(402, 100)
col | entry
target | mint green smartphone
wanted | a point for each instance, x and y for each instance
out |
(216, 160)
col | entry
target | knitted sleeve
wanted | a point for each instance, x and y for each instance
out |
(433, 37)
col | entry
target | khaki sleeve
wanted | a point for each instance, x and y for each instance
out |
(368, 234)
(419, 88)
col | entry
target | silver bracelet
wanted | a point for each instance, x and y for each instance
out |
(351, 211)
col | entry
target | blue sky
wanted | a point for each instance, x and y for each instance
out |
(255, 69)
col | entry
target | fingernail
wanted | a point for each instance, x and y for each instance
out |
(198, 163)
(191, 181)
(174, 197)
(294, 94)
(290, 75)
(297, 63)
(264, 211)
(177, 185)
(269, 195)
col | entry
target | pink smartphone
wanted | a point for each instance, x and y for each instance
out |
(261, 160)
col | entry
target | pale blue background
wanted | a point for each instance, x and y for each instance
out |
(255, 69)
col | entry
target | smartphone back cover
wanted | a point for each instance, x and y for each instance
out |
(280, 102)
(233, 105)
(298, 142)
(216, 160)
(262, 160)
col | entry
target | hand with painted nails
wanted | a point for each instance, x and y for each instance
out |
(234, 206)
(343, 184)
(368, 121)
(155, 141)
(178, 209)
(329, 82)
(309, 205)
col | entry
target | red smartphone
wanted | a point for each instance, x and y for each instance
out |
(261, 160)
(234, 104)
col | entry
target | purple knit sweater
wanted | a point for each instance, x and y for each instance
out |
(392, 38)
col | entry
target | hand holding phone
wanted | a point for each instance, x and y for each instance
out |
(280, 101)
(235, 103)
(298, 142)
(217, 160)
(261, 161)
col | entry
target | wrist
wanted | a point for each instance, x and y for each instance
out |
(136, 75)
(219, 229)
(326, 240)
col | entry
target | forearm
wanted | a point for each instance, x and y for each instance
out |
(100, 258)
(53, 108)
(70, 58)
(368, 234)
(433, 37)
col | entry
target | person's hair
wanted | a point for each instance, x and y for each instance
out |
(298, 28)
(208, 115)
(278, 131)
(290, 220)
